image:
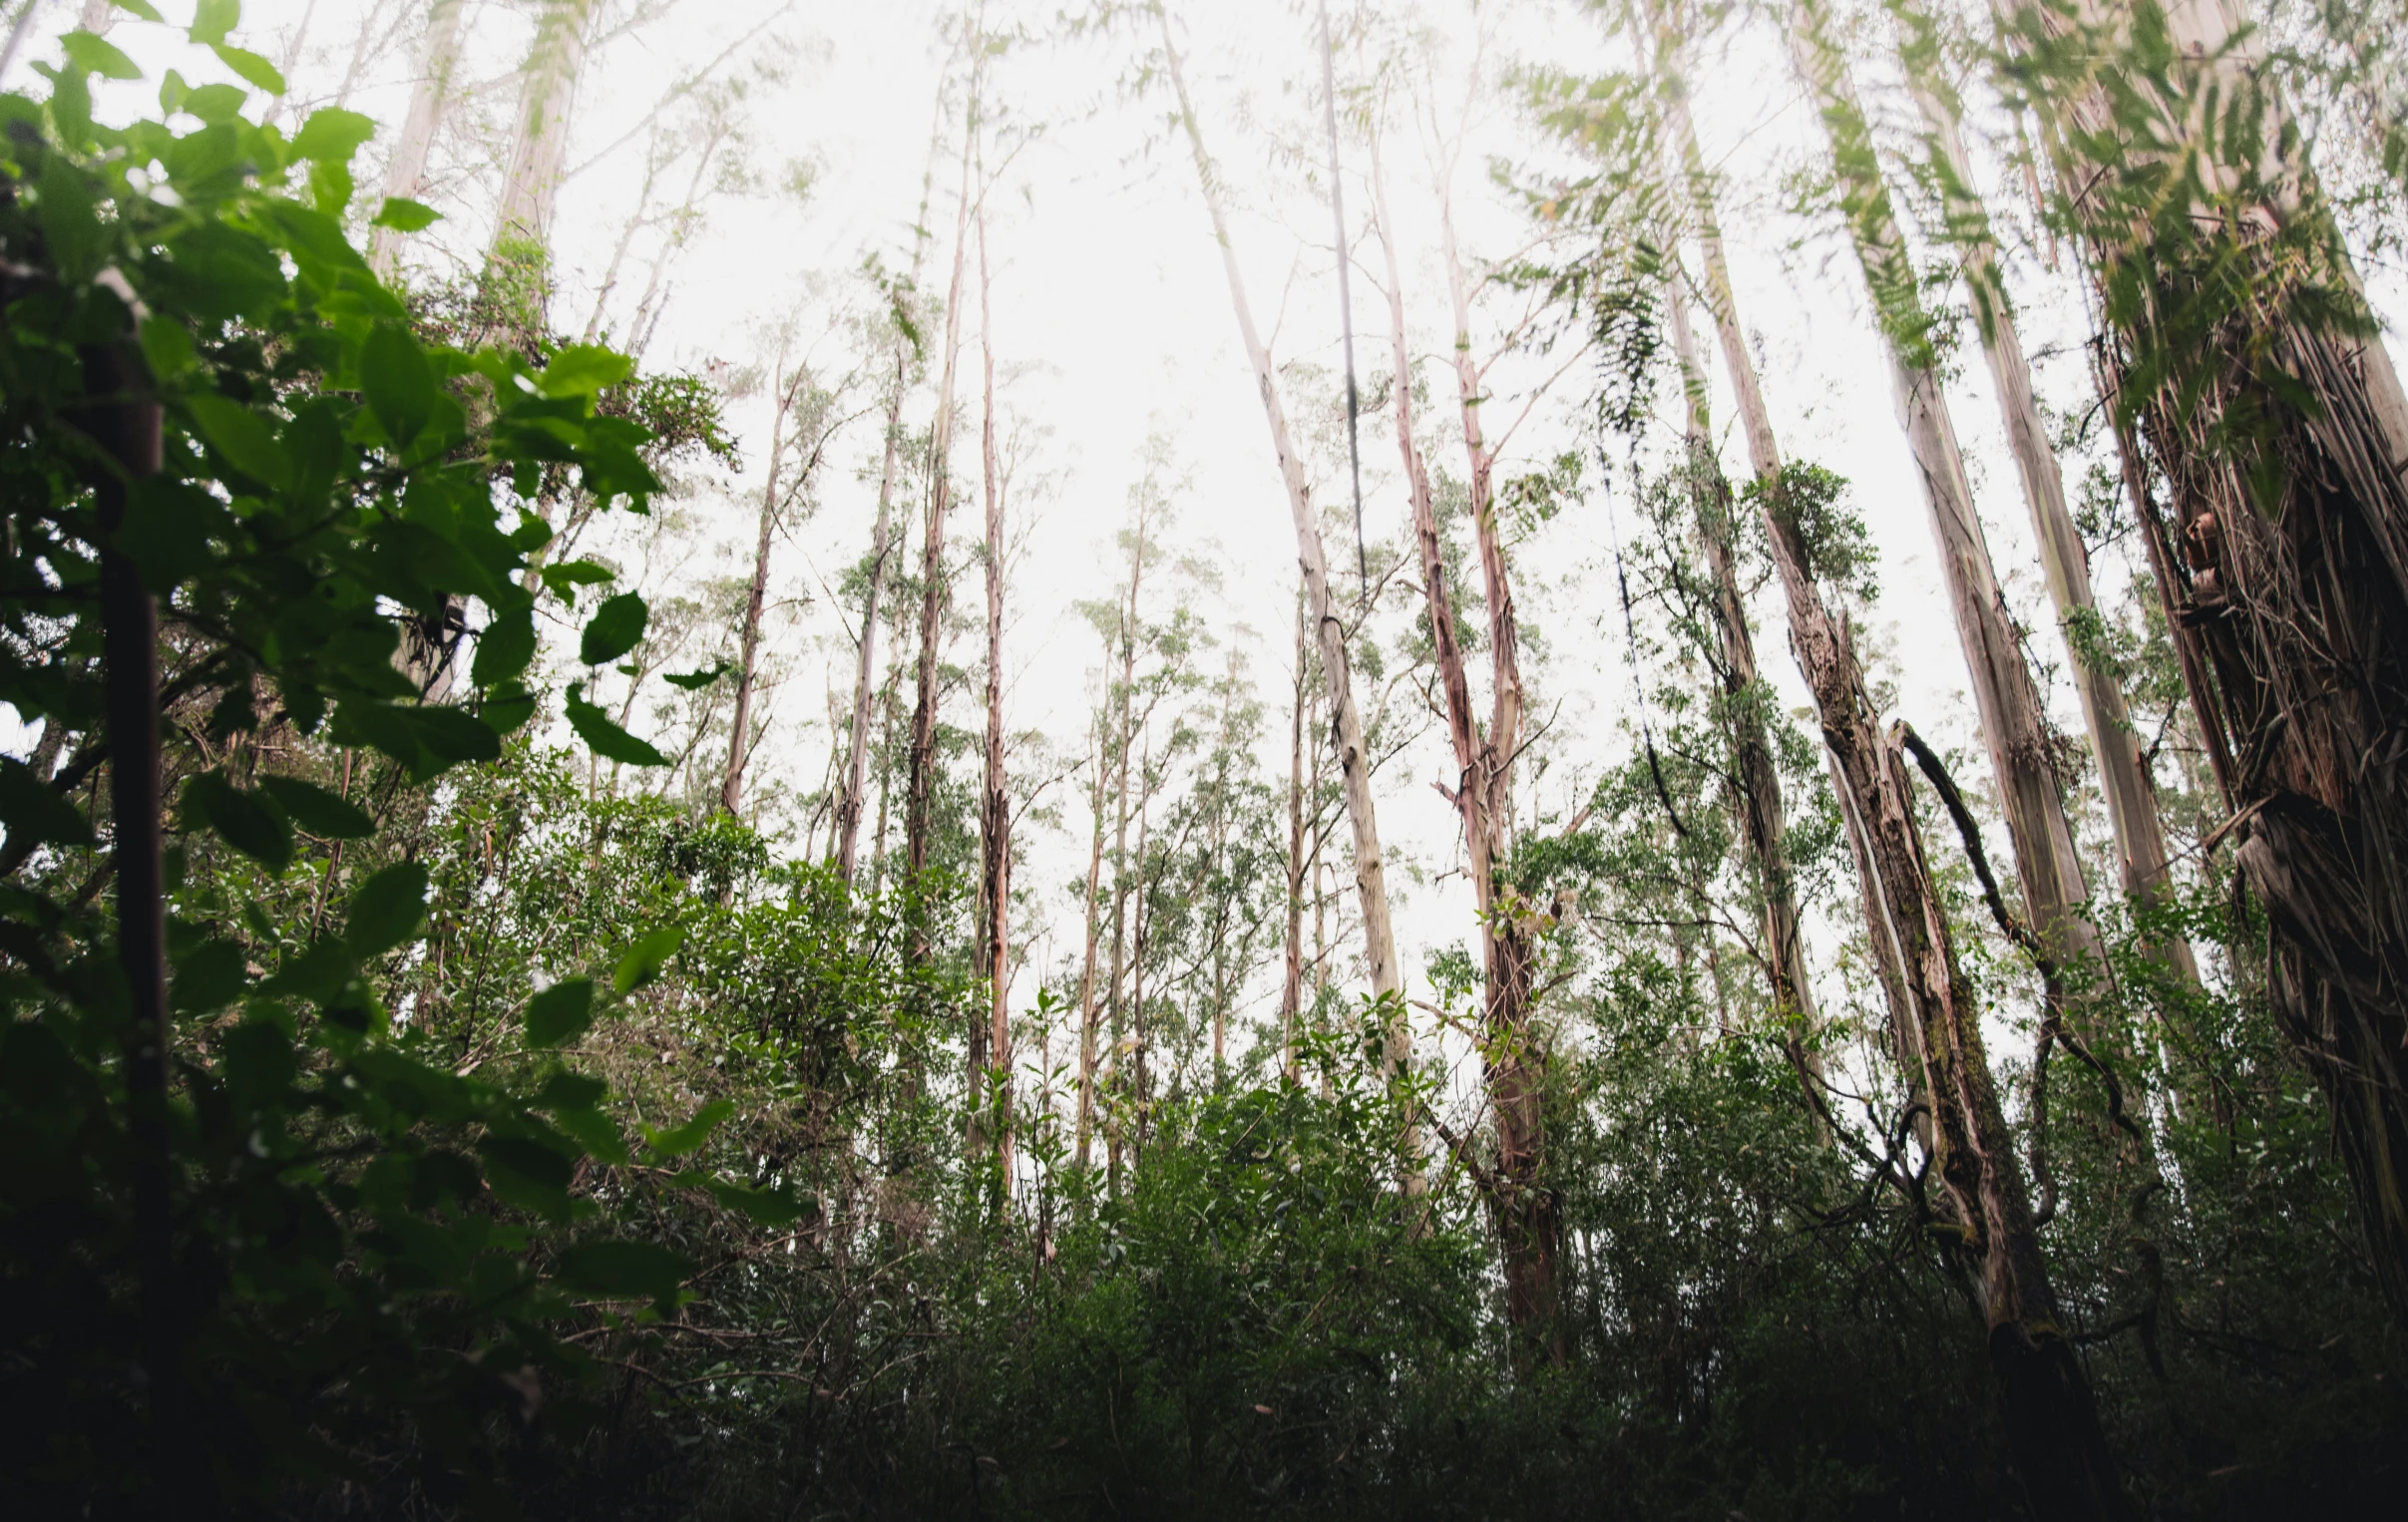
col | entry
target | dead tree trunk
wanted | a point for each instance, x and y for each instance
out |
(1370, 878)
(2243, 370)
(739, 743)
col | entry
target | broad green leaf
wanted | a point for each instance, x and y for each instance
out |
(561, 1014)
(386, 909)
(622, 1269)
(94, 55)
(33, 810)
(142, 8)
(243, 437)
(208, 977)
(582, 369)
(405, 216)
(605, 738)
(69, 223)
(214, 19)
(504, 647)
(398, 382)
(428, 740)
(564, 578)
(695, 681)
(167, 347)
(593, 1130)
(762, 1207)
(332, 134)
(317, 811)
(571, 1092)
(528, 1173)
(678, 1141)
(244, 821)
(250, 68)
(644, 959)
(616, 628)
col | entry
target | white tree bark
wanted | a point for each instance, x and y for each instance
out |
(538, 144)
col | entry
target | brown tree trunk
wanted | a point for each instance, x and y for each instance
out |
(1292, 987)
(994, 808)
(2044, 1395)
(1371, 876)
(919, 816)
(739, 742)
(2281, 549)
(1085, 1127)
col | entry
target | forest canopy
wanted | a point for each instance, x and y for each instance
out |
(678, 839)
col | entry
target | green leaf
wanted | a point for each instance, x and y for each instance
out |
(616, 628)
(564, 578)
(317, 811)
(167, 347)
(591, 1129)
(605, 738)
(332, 134)
(405, 216)
(252, 827)
(398, 382)
(678, 1141)
(214, 19)
(582, 369)
(571, 1092)
(386, 909)
(208, 978)
(623, 1271)
(250, 68)
(95, 56)
(528, 1173)
(243, 437)
(561, 1014)
(644, 959)
(140, 8)
(695, 681)
(427, 740)
(70, 224)
(33, 810)
(504, 648)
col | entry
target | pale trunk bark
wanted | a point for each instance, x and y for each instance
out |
(1115, 1021)
(995, 812)
(2124, 781)
(2014, 724)
(2044, 1394)
(739, 743)
(1291, 999)
(539, 144)
(429, 96)
(1087, 979)
(1370, 880)
(919, 813)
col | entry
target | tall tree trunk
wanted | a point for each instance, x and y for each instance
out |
(857, 744)
(2044, 1397)
(2238, 368)
(1370, 878)
(920, 812)
(1513, 1067)
(430, 96)
(1292, 987)
(739, 741)
(1124, 741)
(2124, 781)
(1085, 1127)
(1745, 697)
(539, 144)
(994, 811)
(2014, 723)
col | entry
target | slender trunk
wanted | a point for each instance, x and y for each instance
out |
(995, 812)
(920, 810)
(739, 742)
(127, 426)
(430, 96)
(2044, 1395)
(1745, 696)
(2124, 781)
(1086, 976)
(2277, 426)
(2014, 723)
(1370, 880)
(1124, 743)
(1292, 988)
(539, 144)
(849, 804)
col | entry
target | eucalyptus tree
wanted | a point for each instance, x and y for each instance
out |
(2249, 382)
(539, 142)
(431, 95)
